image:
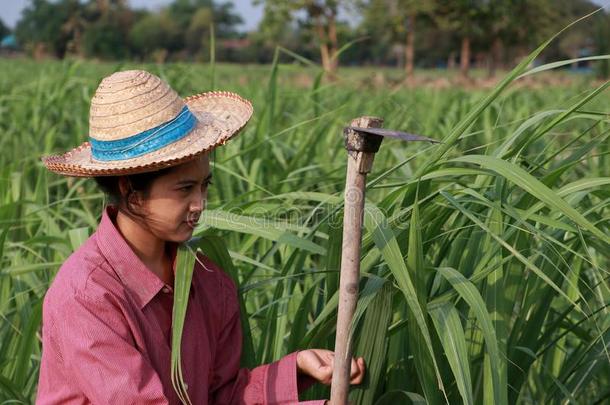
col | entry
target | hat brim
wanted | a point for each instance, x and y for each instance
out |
(220, 114)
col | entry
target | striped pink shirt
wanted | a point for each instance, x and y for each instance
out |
(106, 334)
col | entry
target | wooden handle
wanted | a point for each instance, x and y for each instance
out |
(358, 165)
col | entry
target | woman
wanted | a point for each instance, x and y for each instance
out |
(107, 316)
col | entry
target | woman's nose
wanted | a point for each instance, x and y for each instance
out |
(197, 204)
(198, 201)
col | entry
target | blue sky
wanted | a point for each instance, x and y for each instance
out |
(10, 10)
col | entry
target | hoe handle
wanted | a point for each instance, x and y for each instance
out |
(358, 165)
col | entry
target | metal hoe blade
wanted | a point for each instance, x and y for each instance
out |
(390, 133)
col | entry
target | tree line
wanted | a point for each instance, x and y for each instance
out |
(490, 34)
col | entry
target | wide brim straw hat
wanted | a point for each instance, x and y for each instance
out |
(138, 123)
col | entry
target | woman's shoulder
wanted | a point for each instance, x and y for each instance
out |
(81, 275)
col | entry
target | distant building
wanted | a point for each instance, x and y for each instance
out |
(9, 47)
(584, 66)
(235, 43)
(9, 42)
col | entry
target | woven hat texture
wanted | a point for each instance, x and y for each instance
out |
(138, 123)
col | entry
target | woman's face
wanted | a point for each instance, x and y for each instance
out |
(175, 201)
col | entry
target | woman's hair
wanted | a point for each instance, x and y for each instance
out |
(136, 184)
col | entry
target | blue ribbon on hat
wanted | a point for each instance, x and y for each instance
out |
(145, 142)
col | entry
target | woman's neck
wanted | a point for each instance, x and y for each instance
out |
(150, 249)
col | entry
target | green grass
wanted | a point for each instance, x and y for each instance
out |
(484, 261)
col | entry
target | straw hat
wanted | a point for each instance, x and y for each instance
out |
(137, 123)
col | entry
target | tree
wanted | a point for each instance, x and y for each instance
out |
(107, 30)
(225, 20)
(275, 28)
(499, 17)
(275, 24)
(534, 21)
(464, 17)
(73, 28)
(56, 26)
(4, 30)
(321, 20)
(602, 43)
(197, 35)
(154, 32)
(106, 39)
(106, 7)
(394, 21)
(411, 10)
(578, 41)
(323, 15)
(195, 19)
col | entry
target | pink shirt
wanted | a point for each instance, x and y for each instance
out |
(106, 334)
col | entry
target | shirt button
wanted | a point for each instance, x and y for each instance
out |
(165, 289)
(186, 386)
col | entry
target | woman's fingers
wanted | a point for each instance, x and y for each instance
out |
(315, 363)
(357, 370)
(319, 364)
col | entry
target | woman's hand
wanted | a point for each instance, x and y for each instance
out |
(319, 364)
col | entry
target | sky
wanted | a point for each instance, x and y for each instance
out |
(10, 10)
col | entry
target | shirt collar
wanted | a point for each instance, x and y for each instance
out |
(139, 280)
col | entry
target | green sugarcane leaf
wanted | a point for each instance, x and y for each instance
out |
(529, 264)
(373, 344)
(376, 224)
(469, 293)
(27, 344)
(533, 186)
(554, 65)
(265, 228)
(451, 333)
(399, 397)
(415, 265)
(78, 236)
(185, 263)
(499, 310)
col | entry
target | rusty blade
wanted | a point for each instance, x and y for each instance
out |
(394, 134)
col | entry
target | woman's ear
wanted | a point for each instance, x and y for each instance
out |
(128, 195)
(124, 186)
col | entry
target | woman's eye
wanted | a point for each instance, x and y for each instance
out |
(189, 188)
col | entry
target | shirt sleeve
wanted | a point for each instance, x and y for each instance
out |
(98, 355)
(274, 384)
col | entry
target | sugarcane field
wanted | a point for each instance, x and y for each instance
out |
(366, 202)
